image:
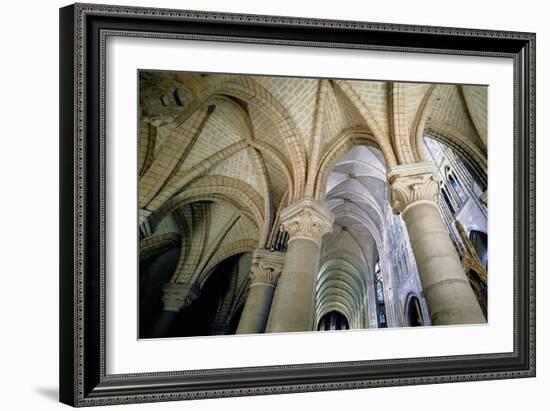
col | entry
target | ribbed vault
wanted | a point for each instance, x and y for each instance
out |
(356, 194)
(221, 155)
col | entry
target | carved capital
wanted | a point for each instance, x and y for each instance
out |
(410, 183)
(177, 296)
(266, 267)
(307, 219)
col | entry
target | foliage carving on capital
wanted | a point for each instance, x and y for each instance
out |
(411, 183)
(264, 273)
(177, 296)
(266, 267)
(307, 218)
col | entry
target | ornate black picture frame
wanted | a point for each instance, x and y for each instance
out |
(83, 30)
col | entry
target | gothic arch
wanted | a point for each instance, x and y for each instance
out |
(274, 147)
(473, 157)
(413, 302)
(335, 149)
(224, 187)
(228, 250)
(341, 284)
(252, 92)
(380, 137)
(342, 310)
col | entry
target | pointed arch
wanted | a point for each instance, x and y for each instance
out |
(474, 159)
(380, 138)
(335, 149)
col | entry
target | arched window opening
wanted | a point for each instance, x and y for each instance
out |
(455, 184)
(382, 320)
(378, 284)
(379, 293)
(448, 201)
(333, 321)
(380, 301)
(414, 313)
(438, 147)
(479, 241)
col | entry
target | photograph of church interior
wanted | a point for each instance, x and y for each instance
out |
(278, 204)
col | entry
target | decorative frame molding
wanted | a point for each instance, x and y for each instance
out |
(83, 30)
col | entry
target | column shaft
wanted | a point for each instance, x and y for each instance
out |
(264, 273)
(256, 309)
(414, 192)
(292, 308)
(164, 323)
(447, 291)
(175, 297)
(305, 221)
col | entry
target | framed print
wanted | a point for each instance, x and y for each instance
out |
(261, 204)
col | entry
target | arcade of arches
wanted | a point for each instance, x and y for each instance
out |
(274, 204)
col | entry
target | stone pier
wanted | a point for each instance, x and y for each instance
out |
(414, 193)
(264, 274)
(306, 221)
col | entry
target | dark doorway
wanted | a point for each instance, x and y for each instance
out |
(198, 318)
(414, 313)
(332, 321)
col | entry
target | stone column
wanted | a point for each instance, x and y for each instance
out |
(414, 193)
(176, 296)
(306, 221)
(264, 274)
